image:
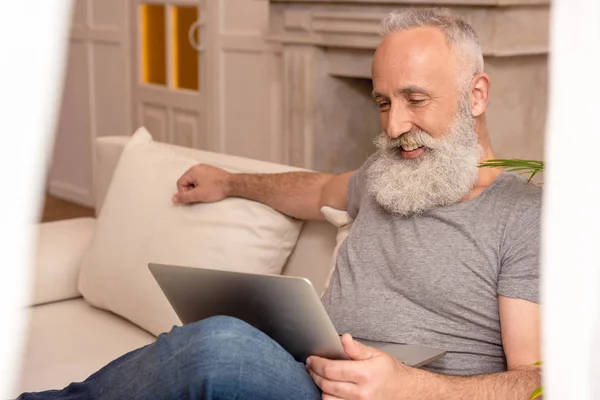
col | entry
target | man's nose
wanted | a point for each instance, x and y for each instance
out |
(399, 122)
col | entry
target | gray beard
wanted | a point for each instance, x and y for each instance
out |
(443, 175)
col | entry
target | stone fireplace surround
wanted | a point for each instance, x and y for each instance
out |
(329, 117)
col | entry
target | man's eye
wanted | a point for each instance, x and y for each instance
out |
(383, 105)
(416, 101)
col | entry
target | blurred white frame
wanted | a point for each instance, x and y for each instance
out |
(33, 42)
(571, 223)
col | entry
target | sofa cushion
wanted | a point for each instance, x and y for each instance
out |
(69, 340)
(61, 246)
(138, 224)
(343, 222)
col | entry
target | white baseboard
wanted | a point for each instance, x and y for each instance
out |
(72, 193)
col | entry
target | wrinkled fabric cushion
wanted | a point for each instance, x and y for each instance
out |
(343, 222)
(61, 246)
(138, 225)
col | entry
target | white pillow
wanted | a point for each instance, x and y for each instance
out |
(138, 224)
(343, 221)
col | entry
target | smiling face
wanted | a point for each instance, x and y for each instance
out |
(415, 84)
(429, 153)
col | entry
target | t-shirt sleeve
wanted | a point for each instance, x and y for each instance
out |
(357, 188)
(520, 266)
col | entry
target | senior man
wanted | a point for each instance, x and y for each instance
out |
(441, 253)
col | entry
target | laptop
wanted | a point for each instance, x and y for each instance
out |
(286, 308)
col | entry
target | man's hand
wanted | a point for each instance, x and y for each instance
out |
(202, 184)
(371, 374)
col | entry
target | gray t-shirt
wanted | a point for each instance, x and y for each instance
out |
(434, 279)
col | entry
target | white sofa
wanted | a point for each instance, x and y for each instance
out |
(67, 339)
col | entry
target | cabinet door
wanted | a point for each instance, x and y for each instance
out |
(170, 75)
(96, 97)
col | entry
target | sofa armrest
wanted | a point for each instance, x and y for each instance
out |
(60, 248)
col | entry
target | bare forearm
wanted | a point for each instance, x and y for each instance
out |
(297, 194)
(510, 385)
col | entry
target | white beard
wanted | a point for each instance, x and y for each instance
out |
(444, 174)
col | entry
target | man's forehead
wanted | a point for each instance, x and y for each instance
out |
(416, 53)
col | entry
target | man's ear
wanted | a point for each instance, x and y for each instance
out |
(480, 94)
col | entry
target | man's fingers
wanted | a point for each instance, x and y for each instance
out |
(186, 180)
(356, 350)
(335, 389)
(326, 396)
(342, 371)
(185, 185)
(185, 197)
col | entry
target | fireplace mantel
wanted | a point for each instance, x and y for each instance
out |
(328, 117)
(504, 31)
(439, 3)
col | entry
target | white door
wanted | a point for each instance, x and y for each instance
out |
(170, 72)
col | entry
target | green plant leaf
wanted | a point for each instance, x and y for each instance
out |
(537, 393)
(531, 167)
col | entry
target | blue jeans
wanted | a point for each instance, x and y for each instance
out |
(216, 358)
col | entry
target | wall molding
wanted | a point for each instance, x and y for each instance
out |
(248, 44)
(430, 2)
(298, 97)
(503, 31)
(102, 70)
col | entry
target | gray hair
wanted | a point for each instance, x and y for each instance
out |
(460, 36)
